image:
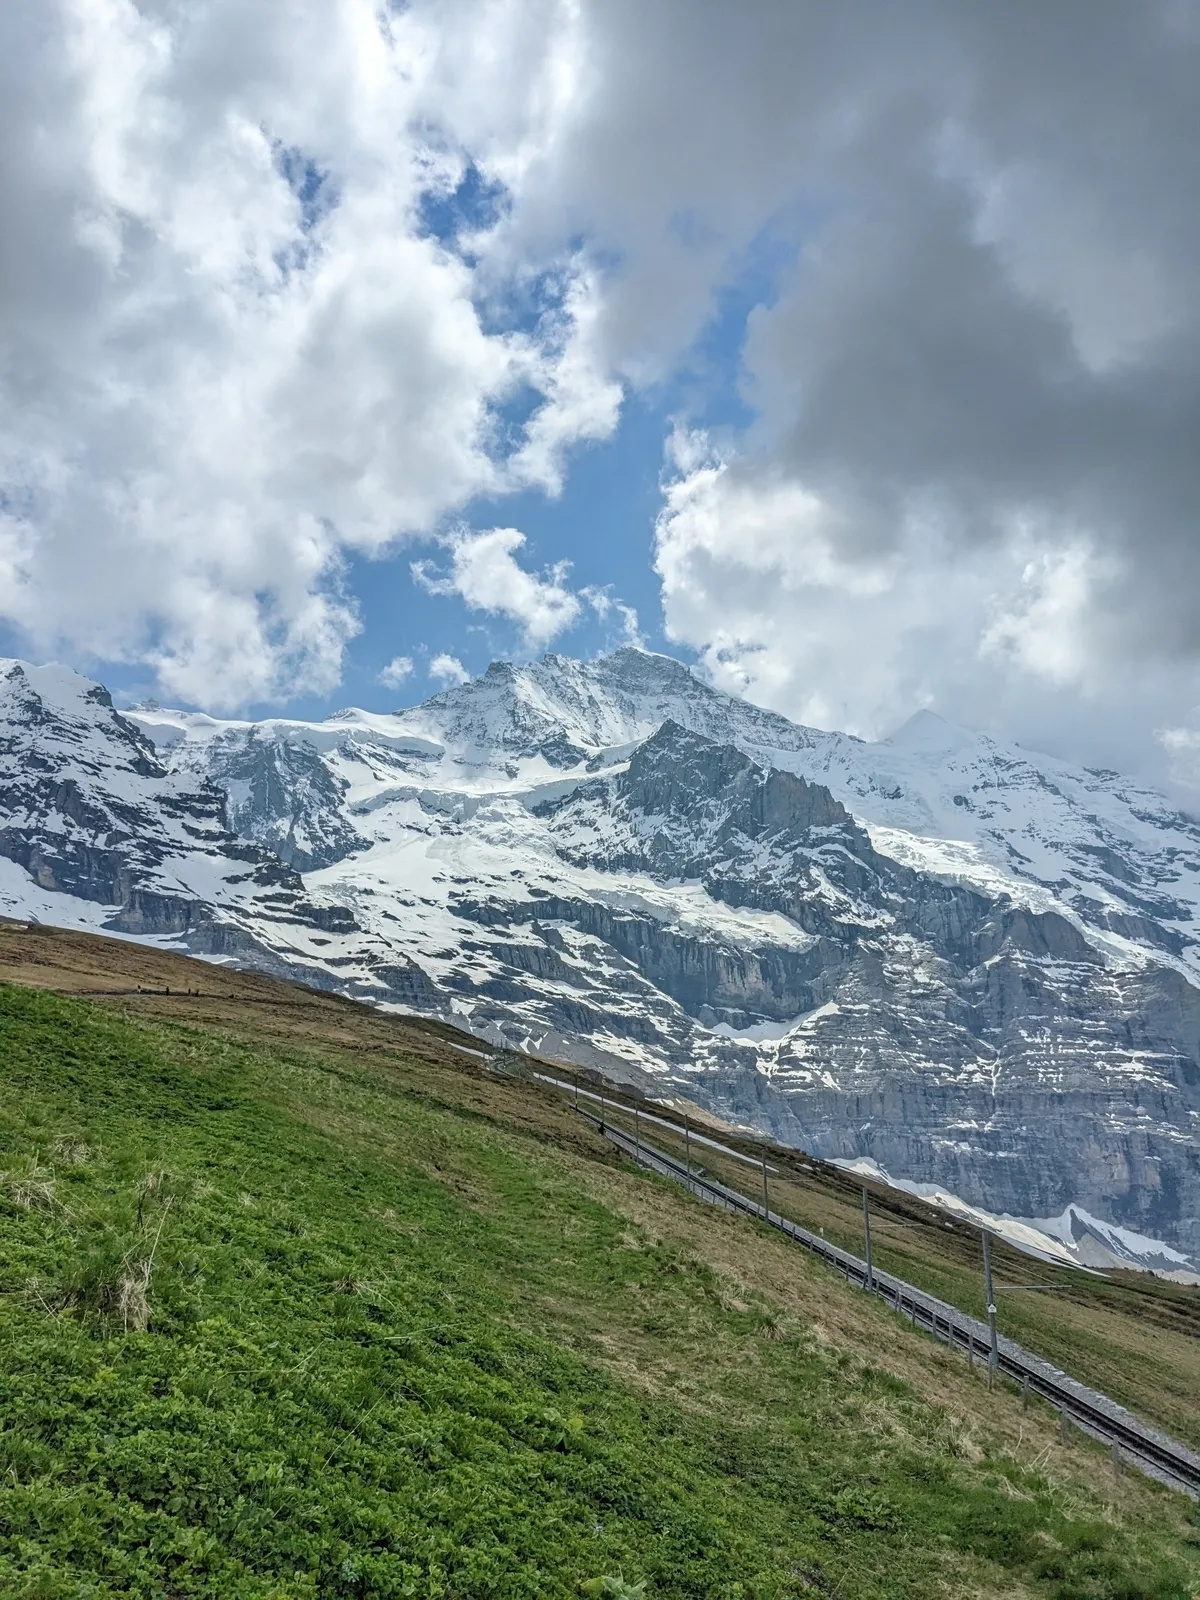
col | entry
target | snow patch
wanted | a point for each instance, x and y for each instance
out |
(1075, 1239)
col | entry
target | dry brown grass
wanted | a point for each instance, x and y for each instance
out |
(1126, 1334)
(29, 1185)
(801, 1298)
(141, 980)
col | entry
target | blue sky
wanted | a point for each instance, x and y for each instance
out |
(602, 523)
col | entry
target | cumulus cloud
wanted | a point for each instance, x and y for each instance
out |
(485, 574)
(233, 350)
(753, 580)
(398, 669)
(582, 398)
(448, 670)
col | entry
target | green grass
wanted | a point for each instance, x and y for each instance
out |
(278, 1323)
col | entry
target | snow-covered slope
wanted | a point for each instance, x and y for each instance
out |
(1111, 854)
(967, 963)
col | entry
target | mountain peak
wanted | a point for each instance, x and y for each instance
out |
(55, 684)
(644, 667)
(929, 730)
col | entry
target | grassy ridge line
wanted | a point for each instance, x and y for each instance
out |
(408, 1332)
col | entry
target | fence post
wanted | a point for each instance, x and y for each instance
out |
(867, 1236)
(637, 1137)
(602, 1111)
(687, 1148)
(766, 1197)
(993, 1343)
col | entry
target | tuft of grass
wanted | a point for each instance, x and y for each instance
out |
(68, 1152)
(109, 1282)
(28, 1184)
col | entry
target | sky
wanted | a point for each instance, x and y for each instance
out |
(850, 353)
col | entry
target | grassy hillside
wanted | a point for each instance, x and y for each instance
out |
(1134, 1337)
(319, 1307)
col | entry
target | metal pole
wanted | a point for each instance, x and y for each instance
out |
(766, 1197)
(637, 1137)
(993, 1344)
(687, 1147)
(602, 1111)
(867, 1235)
(577, 1091)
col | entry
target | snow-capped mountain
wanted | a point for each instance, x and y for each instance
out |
(974, 966)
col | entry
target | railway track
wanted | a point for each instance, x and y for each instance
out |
(1132, 1441)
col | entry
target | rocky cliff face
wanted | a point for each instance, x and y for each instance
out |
(972, 966)
(280, 795)
(104, 834)
(957, 1038)
(86, 807)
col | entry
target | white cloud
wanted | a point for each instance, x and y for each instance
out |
(582, 400)
(1181, 747)
(448, 669)
(397, 670)
(1043, 625)
(232, 352)
(752, 580)
(1002, 635)
(486, 576)
(606, 605)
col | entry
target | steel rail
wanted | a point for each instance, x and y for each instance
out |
(1154, 1453)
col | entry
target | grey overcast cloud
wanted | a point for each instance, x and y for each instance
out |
(308, 302)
